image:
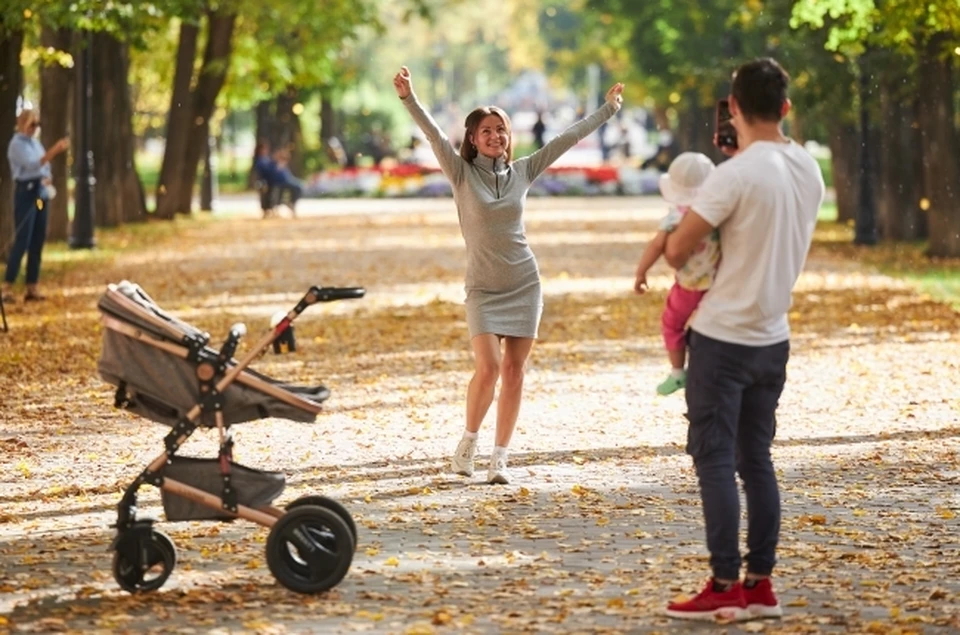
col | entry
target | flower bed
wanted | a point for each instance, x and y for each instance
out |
(405, 180)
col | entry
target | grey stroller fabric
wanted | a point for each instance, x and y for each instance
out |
(163, 387)
(254, 488)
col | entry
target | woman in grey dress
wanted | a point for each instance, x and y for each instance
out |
(504, 298)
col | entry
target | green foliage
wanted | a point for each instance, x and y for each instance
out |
(901, 25)
(682, 45)
(292, 43)
(577, 37)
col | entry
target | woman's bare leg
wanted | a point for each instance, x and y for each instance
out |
(486, 356)
(480, 391)
(515, 354)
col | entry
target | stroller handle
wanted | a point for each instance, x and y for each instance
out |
(330, 294)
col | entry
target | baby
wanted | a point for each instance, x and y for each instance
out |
(679, 188)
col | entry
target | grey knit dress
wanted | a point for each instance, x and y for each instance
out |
(504, 296)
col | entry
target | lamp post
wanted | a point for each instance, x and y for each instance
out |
(83, 213)
(865, 222)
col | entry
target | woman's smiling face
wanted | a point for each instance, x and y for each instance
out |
(491, 138)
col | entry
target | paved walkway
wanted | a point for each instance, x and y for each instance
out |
(602, 525)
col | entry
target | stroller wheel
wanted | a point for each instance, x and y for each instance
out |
(309, 549)
(143, 560)
(332, 505)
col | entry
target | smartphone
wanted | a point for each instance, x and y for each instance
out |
(726, 133)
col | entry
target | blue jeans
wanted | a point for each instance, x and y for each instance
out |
(30, 233)
(732, 393)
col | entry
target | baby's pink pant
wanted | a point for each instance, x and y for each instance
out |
(681, 303)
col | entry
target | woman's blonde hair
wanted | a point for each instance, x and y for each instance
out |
(26, 116)
(469, 151)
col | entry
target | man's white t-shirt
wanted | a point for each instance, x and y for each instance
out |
(764, 201)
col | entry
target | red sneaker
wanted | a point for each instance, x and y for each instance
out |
(713, 605)
(762, 601)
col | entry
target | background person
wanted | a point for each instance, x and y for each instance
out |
(30, 168)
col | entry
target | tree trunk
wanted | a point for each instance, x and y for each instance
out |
(288, 131)
(119, 196)
(328, 120)
(179, 124)
(845, 166)
(213, 74)
(796, 130)
(898, 194)
(695, 129)
(208, 183)
(266, 122)
(56, 93)
(940, 149)
(11, 76)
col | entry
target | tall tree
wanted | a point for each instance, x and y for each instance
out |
(939, 144)
(116, 26)
(209, 82)
(119, 196)
(56, 99)
(287, 50)
(11, 77)
(925, 33)
(179, 123)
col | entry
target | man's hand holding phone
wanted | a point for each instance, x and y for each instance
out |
(725, 137)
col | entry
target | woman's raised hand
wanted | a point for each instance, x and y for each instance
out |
(403, 83)
(615, 94)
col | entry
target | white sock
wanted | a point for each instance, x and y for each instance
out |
(469, 435)
(499, 452)
(677, 373)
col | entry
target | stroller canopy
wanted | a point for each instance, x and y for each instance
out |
(147, 355)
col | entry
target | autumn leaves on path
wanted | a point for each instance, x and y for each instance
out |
(602, 526)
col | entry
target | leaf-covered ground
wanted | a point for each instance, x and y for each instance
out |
(602, 525)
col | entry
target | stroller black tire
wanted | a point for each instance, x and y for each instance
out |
(309, 549)
(142, 561)
(332, 505)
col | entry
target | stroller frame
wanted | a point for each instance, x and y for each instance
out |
(311, 543)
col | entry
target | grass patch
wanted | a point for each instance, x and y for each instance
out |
(937, 277)
(230, 177)
(827, 213)
(113, 241)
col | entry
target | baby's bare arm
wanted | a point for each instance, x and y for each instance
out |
(653, 252)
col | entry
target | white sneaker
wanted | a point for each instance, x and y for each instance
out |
(498, 474)
(462, 462)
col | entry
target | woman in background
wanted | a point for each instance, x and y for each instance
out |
(30, 168)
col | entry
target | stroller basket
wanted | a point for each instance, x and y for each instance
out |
(145, 354)
(254, 488)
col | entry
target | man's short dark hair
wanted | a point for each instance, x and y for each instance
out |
(760, 88)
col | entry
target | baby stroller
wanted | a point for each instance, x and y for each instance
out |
(165, 371)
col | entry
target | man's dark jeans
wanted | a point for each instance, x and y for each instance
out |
(732, 393)
(30, 231)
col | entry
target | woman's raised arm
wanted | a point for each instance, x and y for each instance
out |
(554, 149)
(450, 162)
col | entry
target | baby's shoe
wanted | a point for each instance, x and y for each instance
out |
(673, 383)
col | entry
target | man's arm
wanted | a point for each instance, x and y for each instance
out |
(684, 239)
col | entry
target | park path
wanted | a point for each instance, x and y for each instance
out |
(602, 524)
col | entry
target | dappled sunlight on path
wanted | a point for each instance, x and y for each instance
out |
(602, 525)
